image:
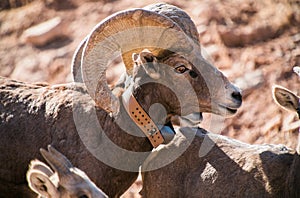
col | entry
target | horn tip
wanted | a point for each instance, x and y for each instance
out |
(43, 151)
(51, 149)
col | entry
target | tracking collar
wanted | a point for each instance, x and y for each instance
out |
(141, 118)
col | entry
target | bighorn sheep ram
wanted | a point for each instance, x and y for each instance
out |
(66, 181)
(229, 169)
(89, 124)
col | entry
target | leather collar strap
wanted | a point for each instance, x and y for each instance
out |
(142, 119)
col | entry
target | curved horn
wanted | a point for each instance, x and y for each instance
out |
(179, 16)
(174, 13)
(127, 32)
(58, 162)
(76, 62)
(296, 69)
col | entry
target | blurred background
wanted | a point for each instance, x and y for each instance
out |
(254, 43)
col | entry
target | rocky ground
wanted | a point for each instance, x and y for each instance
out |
(255, 43)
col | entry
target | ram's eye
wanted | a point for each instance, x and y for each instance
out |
(181, 69)
(83, 196)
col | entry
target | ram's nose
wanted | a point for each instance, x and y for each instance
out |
(236, 95)
(233, 94)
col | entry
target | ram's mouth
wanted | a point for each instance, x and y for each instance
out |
(191, 120)
(228, 110)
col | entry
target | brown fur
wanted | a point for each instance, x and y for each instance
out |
(34, 116)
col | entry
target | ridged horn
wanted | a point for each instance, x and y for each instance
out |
(179, 16)
(76, 62)
(174, 13)
(127, 32)
(58, 162)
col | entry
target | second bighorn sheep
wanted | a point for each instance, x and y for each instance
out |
(286, 98)
(66, 181)
(289, 101)
(70, 116)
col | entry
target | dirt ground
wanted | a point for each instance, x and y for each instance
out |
(255, 43)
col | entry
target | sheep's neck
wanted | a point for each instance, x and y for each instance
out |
(151, 102)
(125, 133)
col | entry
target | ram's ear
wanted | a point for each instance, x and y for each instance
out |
(285, 98)
(148, 61)
(40, 183)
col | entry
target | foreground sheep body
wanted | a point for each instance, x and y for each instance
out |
(69, 116)
(230, 169)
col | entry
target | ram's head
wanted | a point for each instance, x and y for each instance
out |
(160, 49)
